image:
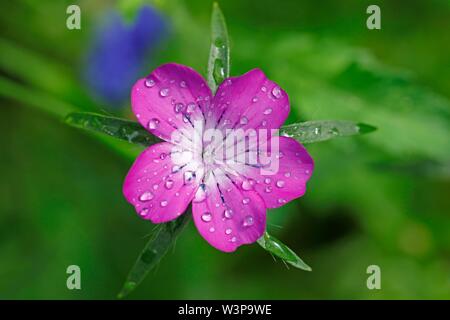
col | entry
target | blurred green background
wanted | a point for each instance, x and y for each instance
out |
(381, 198)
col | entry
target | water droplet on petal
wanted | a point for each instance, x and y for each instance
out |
(264, 123)
(268, 111)
(207, 217)
(247, 184)
(200, 195)
(183, 84)
(234, 239)
(169, 184)
(281, 201)
(190, 107)
(248, 221)
(246, 201)
(188, 177)
(267, 180)
(178, 107)
(263, 89)
(146, 196)
(164, 203)
(149, 83)
(276, 92)
(244, 120)
(212, 229)
(228, 231)
(280, 183)
(255, 99)
(228, 213)
(287, 174)
(143, 212)
(164, 92)
(268, 189)
(153, 123)
(175, 169)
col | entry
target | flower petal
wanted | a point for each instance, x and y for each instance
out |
(159, 188)
(250, 101)
(228, 217)
(172, 97)
(284, 180)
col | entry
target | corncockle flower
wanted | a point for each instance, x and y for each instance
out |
(118, 52)
(221, 153)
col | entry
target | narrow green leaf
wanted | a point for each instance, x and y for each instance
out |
(280, 250)
(162, 239)
(219, 55)
(128, 130)
(316, 131)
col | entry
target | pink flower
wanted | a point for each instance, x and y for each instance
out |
(229, 195)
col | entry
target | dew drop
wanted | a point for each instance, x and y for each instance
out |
(190, 107)
(183, 84)
(164, 203)
(247, 184)
(280, 183)
(175, 169)
(268, 111)
(178, 107)
(153, 123)
(268, 189)
(155, 187)
(149, 83)
(228, 213)
(248, 221)
(228, 231)
(143, 212)
(287, 174)
(267, 180)
(234, 239)
(146, 196)
(212, 229)
(246, 201)
(263, 89)
(168, 184)
(281, 200)
(164, 92)
(207, 217)
(200, 195)
(255, 99)
(188, 177)
(244, 120)
(276, 92)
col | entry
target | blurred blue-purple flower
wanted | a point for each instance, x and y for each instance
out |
(119, 51)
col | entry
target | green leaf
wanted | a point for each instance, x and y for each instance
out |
(316, 131)
(219, 55)
(162, 239)
(280, 250)
(128, 130)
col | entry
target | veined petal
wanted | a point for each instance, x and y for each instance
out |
(171, 98)
(162, 182)
(250, 101)
(284, 179)
(228, 216)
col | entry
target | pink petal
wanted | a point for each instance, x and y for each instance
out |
(159, 189)
(249, 101)
(229, 217)
(280, 183)
(171, 97)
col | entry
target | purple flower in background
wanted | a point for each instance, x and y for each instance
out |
(201, 160)
(119, 51)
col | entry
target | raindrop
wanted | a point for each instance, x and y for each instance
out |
(244, 120)
(247, 184)
(153, 123)
(276, 92)
(287, 174)
(281, 200)
(267, 180)
(169, 184)
(183, 84)
(228, 213)
(164, 92)
(178, 107)
(268, 111)
(263, 89)
(280, 183)
(175, 169)
(164, 203)
(146, 196)
(143, 212)
(207, 217)
(149, 83)
(228, 231)
(268, 189)
(246, 201)
(255, 99)
(234, 239)
(264, 123)
(212, 229)
(200, 195)
(190, 107)
(248, 221)
(189, 177)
